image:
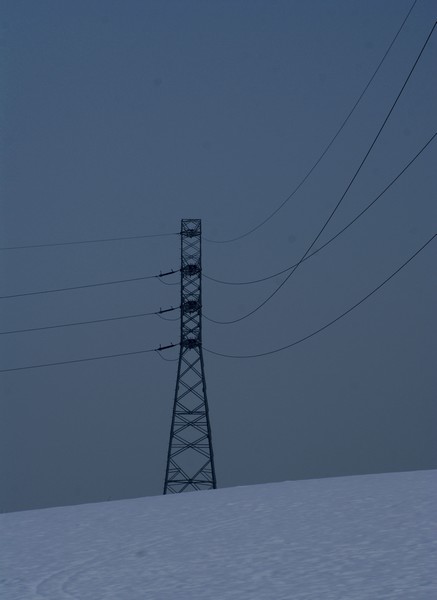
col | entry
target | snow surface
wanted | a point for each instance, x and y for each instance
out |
(365, 537)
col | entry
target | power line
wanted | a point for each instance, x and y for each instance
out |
(169, 318)
(79, 360)
(360, 214)
(168, 359)
(31, 329)
(89, 285)
(169, 283)
(308, 174)
(346, 312)
(357, 171)
(161, 348)
(93, 241)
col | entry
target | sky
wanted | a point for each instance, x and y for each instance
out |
(121, 119)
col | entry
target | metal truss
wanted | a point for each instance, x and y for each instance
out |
(190, 461)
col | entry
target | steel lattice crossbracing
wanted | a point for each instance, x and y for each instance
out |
(190, 461)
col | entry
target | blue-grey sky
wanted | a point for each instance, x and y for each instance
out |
(121, 118)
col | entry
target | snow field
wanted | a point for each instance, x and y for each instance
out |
(365, 537)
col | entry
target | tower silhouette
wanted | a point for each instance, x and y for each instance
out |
(190, 460)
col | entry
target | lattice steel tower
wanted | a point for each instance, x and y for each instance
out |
(190, 460)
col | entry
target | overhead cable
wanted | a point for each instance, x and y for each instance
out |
(89, 285)
(308, 174)
(93, 241)
(61, 325)
(167, 359)
(360, 214)
(168, 318)
(92, 358)
(355, 175)
(320, 329)
(168, 282)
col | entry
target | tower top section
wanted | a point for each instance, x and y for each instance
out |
(191, 227)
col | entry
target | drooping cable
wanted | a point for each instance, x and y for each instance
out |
(360, 214)
(320, 329)
(92, 358)
(93, 321)
(169, 282)
(321, 156)
(355, 175)
(89, 285)
(93, 241)
(169, 318)
(167, 359)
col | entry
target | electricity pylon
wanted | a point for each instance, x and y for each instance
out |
(190, 460)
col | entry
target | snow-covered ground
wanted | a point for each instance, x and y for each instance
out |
(366, 537)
